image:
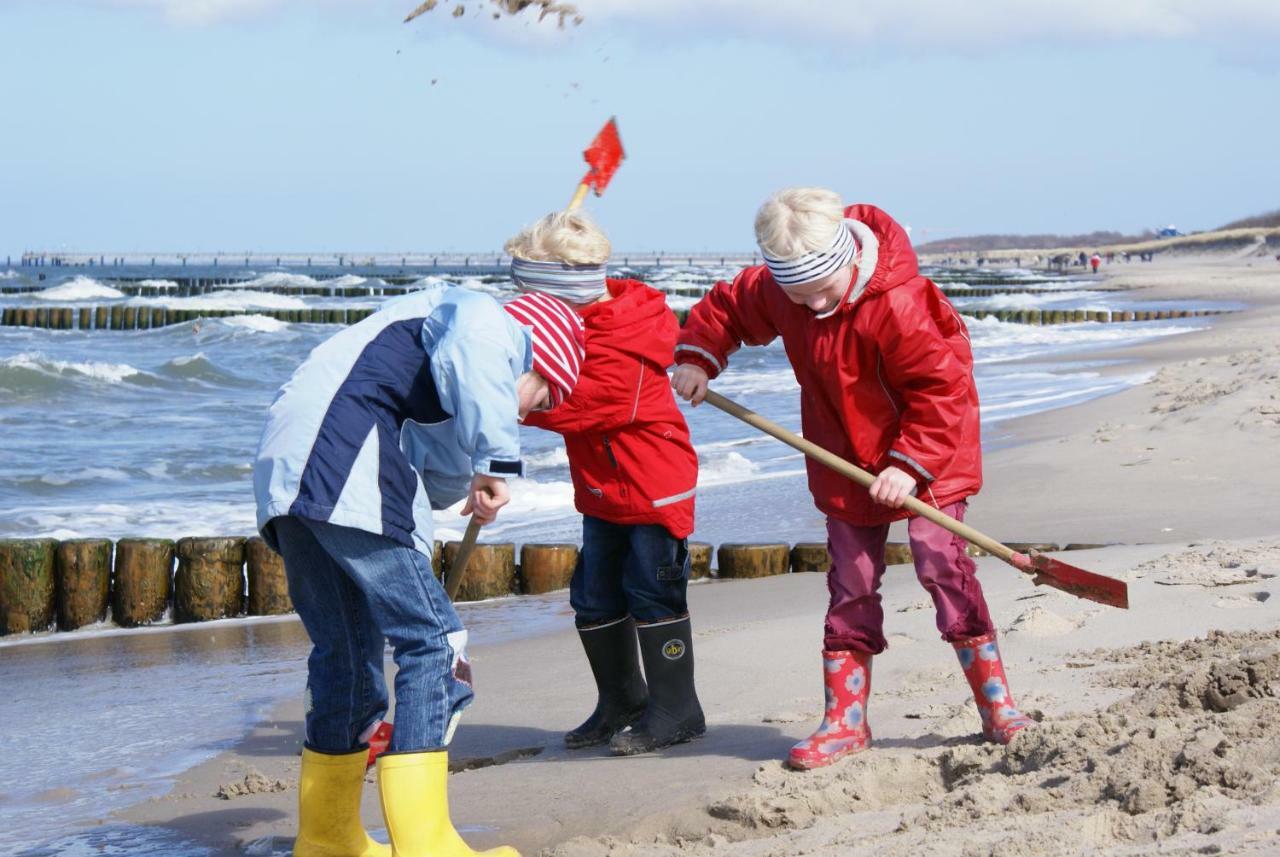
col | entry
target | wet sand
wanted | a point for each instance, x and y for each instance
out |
(1136, 753)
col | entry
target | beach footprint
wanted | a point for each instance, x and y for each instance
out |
(1243, 602)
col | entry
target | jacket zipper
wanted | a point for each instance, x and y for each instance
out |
(608, 449)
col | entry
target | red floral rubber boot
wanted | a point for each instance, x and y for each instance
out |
(844, 729)
(378, 740)
(980, 660)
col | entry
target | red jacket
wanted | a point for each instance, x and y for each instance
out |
(628, 444)
(886, 380)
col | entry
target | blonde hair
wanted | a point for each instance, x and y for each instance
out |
(562, 236)
(798, 220)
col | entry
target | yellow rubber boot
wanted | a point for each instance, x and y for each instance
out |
(415, 807)
(329, 807)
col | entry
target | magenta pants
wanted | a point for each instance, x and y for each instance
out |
(855, 619)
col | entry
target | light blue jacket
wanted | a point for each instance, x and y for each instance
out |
(390, 418)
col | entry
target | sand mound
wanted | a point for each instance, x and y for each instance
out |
(1215, 564)
(254, 783)
(1189, 754)
(1039, 622)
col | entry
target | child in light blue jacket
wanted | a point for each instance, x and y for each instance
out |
(411, 410)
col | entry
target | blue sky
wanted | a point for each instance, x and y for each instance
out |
(262, 125)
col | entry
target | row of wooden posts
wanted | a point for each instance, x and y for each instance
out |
(47, 584)
(121, 317)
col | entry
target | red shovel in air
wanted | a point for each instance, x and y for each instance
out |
(1043, 570)
(603, 158)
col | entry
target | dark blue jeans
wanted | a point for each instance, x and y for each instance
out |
(639, 570)
(355, 591)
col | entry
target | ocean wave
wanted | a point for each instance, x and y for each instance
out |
(724, 469)
(256, 323)
(31, 371)
(78, 289)
(198, 367)
(346, 281)
(9, 275)
(995, 341)
(557, 456)
(234, 299)
(159, 284)
(88, 474)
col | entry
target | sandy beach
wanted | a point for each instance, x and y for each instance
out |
(1158, 724)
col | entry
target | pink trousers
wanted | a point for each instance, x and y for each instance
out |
(855, 619)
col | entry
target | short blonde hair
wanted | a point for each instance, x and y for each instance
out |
(798, 220)
(562, 236)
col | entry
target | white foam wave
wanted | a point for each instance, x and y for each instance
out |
(238, 300)
(159, 284)
(557, 456)
(9, 275)
(257, 323)
(995, 340)
(277, 280)
(78, 289)
(346, 281)
(721, 469)
(111, 373)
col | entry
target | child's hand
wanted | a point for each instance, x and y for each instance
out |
(892, 487)
(690, 383)
(487, 495)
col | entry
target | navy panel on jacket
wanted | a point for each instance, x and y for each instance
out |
(389, 382)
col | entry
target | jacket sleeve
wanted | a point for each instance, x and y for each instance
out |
(472, 366)
(596, 403)
(933, 385)
(729, 316)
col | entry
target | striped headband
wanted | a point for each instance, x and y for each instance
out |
(577, 283)
(816, 264)
(557, 337)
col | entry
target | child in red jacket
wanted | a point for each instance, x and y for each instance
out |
(886, 381)
(634, 474)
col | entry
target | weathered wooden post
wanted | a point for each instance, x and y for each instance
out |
(810, 556)
(26, 585)
(83, 582)
(209, 583)
(268, 587)
(143, 581)
(897, 553)
(752, 560)
(490, 573)
(546, 568)
(699, 560)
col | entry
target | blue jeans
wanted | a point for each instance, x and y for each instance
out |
(636, 569)
(354, 592)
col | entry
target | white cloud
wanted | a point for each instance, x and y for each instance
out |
(941, 23)
(832, 24)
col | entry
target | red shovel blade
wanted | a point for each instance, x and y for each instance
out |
(603, 156)
(1077, 581)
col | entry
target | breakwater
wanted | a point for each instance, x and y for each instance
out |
(129, 317)
(46, 584)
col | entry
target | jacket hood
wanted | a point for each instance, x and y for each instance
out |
(884, 247)
(629, 320)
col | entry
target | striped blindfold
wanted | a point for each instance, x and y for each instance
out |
(816, 264)
(576, 283)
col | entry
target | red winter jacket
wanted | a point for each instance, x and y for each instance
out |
(628, 444)
(885, 380)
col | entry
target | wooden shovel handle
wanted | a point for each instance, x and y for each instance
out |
(862, 477)
(458, 568)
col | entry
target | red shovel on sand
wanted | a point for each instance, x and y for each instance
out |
(1044, 570)
(603, 158)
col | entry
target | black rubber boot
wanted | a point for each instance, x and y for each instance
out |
(615, 663)
(673, 715)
